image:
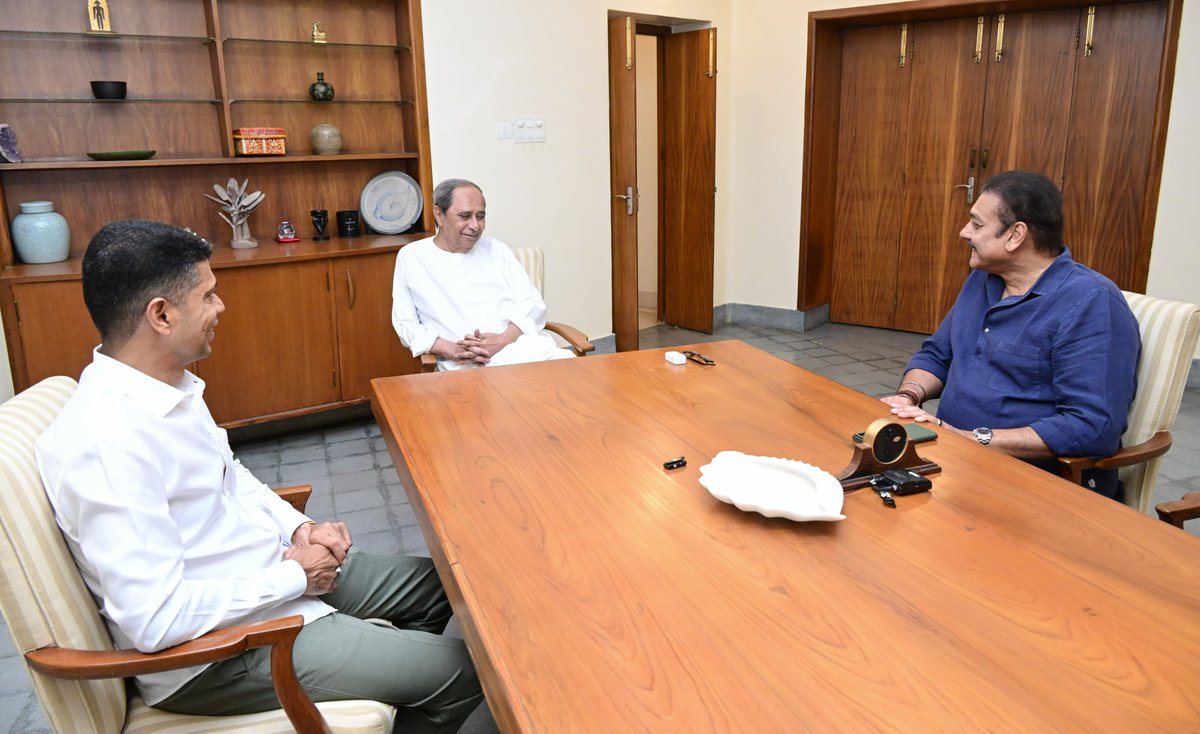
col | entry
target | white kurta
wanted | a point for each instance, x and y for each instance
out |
(449, 295)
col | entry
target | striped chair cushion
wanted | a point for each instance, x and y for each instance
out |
(42, 594)
(534, 262)
(1169, 331)
(45, 601)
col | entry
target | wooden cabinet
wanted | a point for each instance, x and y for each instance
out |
(196, 71)
(368, 346)
(1079, 94)
(53, 328)
(275, 349)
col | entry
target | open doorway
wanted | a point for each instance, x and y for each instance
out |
(649, 305)
(662, 127)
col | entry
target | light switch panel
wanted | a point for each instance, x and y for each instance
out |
(529, 129)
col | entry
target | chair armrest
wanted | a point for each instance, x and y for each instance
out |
(295, 496)
(1179, 511)
(576, 338)
(1072, 467)
(428, 362)
(278, 634)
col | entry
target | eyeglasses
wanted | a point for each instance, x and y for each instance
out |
(699, 358)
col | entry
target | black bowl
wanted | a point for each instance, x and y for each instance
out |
(108, 90)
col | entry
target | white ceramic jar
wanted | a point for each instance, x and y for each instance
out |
(40, 234)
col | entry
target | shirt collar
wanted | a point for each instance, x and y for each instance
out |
(1055, 275)
(156, 396)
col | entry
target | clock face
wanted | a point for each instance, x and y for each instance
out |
(887, 440)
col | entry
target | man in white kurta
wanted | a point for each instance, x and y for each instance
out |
(464, 297)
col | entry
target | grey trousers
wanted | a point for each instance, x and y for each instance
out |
(428, 677)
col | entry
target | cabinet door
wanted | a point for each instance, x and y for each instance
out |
(870, 160)
(275, 344)
(1107, 217)
(367, 344)
(57, 335)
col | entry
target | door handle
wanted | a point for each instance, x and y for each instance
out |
(350, 291)
(628, 197)
(970, 187)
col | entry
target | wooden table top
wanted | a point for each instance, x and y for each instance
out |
(599, 592)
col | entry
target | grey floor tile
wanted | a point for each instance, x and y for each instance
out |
(362, 479)
(345, 464)
(302, 454)
(352, 447)
(363, 499)
(306, 472)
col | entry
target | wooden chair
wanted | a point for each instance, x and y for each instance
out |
(534, 262)
(1169, 332)
(57, 627)
(1180, 511)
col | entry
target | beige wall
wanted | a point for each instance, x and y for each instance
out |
(489, 61)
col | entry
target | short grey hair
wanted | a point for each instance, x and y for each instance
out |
(443, 193)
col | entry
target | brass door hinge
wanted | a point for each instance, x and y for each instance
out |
(903, 43)
(1091, 23)
(978, 41)
(1000, 37)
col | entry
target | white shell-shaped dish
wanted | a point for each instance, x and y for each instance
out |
(773, 487)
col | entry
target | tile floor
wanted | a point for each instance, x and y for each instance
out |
(354, 480)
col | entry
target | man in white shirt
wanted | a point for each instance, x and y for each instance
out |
(175, 538)
(464, 297)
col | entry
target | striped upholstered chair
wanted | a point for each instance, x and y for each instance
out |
(534, 262)
(1169, 331)
(56, 625)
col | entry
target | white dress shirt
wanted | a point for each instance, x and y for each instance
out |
(173, 536)
(436, 293)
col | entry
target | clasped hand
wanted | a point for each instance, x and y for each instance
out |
(320, 549)
(477, 348)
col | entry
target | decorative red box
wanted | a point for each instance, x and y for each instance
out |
(259, 141)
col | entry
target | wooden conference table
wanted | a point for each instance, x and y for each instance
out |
(599, 592)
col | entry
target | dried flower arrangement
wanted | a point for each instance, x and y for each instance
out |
(236, 207)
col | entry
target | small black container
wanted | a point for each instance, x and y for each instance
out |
(347, 223)
(108, 90)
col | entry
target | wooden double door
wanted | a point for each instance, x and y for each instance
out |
(929, 110)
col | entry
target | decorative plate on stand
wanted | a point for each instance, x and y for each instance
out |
(391, 202)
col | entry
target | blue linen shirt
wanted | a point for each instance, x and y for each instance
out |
(1062, 358)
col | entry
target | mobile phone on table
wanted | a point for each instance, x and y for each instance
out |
(916, 433)
(903, 481)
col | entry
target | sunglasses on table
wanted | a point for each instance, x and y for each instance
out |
(699, 358)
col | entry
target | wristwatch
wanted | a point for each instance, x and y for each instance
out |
(982, 435)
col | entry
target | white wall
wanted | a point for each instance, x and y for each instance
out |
(487, 61)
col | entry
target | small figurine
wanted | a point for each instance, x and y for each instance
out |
(318, 35)
(98, 16)
(287, 233)
(320, 220)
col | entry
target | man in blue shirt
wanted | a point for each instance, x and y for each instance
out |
(1037, 357)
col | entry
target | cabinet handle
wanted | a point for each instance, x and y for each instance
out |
(983, 158)
(350, 289)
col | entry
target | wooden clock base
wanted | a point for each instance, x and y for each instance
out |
(863, 465)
